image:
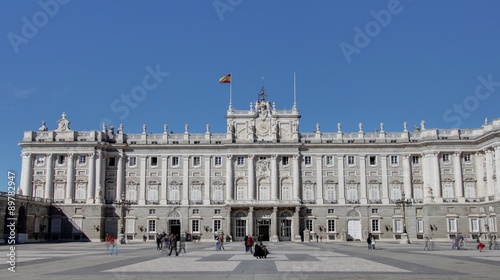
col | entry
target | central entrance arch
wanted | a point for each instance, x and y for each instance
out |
(353, 226)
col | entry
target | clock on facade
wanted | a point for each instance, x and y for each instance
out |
(262, 127)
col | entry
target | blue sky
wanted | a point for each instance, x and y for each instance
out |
(356, 61)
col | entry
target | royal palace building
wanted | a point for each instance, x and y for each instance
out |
(263, 176)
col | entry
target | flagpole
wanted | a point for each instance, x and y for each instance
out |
(231, 92)
(294, 92)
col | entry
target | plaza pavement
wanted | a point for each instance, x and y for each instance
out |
(287, 260)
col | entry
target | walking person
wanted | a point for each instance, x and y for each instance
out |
(182, 244)
(369, 241)
(216, 239)
(114, 246)
(245, 243)
(158, 241)
(173, 245)
(249, 244)
(373, 242)
(221, 242)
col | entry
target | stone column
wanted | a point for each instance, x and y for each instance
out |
(490, 183)
(480, 187)
(228, 223)
(340, 164)
(92, 179)
(251, 178)
(497, 170)
(229, 178)
(274, 225)
(407, 177)
(185, 180)
(164, 180)
(457, 170)
(296, 177)
(26, 181)
(362, 178)
(49, 177)
(70, 185)
(120, 178)
(274, 178)
(99, 178)
(385, 179)
(142, 183)
(296, 224)
(319, 179)
(435, 176)
(250, 221)
(208, 183)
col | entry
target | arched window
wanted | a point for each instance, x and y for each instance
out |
(241, 186)
(330, 192)
(264, 190)
(218, 192)
(352, 192)
(395, 188)
(110, 192)
(470, 190)
(81, 191)
(309, 191)
(153, 192)
(174, 195)
(59, 191)
(196, 192)
(286, 189)
(448, 190)
(418, 191)
(132, 193)
(374, 192)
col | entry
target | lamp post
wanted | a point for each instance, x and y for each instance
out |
(123, 204)
(404, 202)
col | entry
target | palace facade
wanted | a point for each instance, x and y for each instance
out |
(263, 177)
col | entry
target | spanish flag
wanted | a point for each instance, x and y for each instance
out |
(226, 79)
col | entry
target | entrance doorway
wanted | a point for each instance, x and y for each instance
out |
(240, 230)
(285, 230)
(174, 226)
(263, 229)
(354, 230)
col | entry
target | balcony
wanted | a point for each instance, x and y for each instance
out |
(331, 202)
(352, 201)
(217, 202)
(375, 201)
(195, 202)
(450, 200)
(174, 202)
(152, 202)
(308, 201)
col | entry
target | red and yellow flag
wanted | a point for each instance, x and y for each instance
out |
(226, 79)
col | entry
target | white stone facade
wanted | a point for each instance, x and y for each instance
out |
(264, 177)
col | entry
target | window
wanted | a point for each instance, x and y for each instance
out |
(264, 190)
(217, 225)
(175, 161)
(330, 194)
(154, 161)
(112, 161)
(152, 194)
(331, 225)
(40, 160)
(452, 225)
(395, 191)
(196, 161)
(467, 158)
(373, 160)
(492, 224)
(151, 226)
(61, 159)
(329, 160)
(152, 211)
(82, 160)
(350, 160)
(132, 161)
(174, 195)
(352, 192)
(474, 225)
(420, 226)
(262, 158)
(196, 211)
(331, 211)
(216, 211)
(307, 160)
(394, 160)
(309, 211)
(374, 211)
(218, 161)
(375, 225)
(218, 193)
(446, 158)
(398, 226)
(81, 192)
(374, 192)
(309, 192)
(195, 225)
(196, 193)
(240, 161)
(415, 160)
(448, 191)
(310, 225)
(132, 193)
(284, 161)
(240, 192)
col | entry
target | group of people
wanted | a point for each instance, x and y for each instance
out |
(166, 242)
(371, 241)
(459, 243)
(259, 250)
(219, 241)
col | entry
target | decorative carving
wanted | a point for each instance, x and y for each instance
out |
(186, 128)
(360, 127)
(208, 128)
(382, 127)
(165, 128)
(405, 126)
(144, 128)
(339, 127)
(422, 125)
(263, 168)
(63, 123)
(43, 127)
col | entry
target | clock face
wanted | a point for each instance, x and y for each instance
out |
(263, 127)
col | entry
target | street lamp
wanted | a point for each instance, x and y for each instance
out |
(404, 202)
(123, 204)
